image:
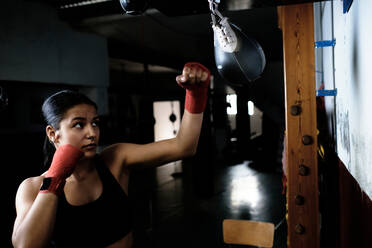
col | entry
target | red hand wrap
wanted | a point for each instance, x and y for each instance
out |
(63, 164)
(196, 94)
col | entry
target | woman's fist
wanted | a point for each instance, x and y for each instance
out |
(195, 78)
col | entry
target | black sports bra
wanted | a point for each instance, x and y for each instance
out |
(98, 223)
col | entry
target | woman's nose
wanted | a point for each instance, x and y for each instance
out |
(91, 132)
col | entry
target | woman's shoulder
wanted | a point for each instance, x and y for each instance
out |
(114, 155)
(32, 183)
(113, 152)
(29, 188)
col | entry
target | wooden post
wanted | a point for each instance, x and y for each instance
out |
(297, 24)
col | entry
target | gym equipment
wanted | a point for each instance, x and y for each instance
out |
(134, 7)
(239, 59)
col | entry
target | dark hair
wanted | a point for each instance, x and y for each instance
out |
(54, 109)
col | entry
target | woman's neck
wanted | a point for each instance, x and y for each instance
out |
(83, 169)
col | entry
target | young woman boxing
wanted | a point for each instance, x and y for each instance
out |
(81, 201)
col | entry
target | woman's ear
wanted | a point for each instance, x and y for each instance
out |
(51, 133)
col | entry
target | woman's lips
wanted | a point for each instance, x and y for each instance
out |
(90, 146)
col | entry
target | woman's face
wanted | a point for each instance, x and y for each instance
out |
(80, 128)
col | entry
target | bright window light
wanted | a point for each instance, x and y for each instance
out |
(245, 191)
(231, 99)
(250, 108)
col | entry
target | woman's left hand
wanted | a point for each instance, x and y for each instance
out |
(195, 78)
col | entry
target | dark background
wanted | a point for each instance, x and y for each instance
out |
(168, 34)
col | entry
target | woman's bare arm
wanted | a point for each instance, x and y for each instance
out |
(195, 80)
(161, 152)
(36, 213)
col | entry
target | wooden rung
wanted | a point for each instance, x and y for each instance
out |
(244, 232)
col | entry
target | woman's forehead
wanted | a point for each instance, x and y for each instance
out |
(81, 110)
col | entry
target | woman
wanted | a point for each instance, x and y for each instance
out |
(81, 201)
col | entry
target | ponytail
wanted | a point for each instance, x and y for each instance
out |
(48, 150)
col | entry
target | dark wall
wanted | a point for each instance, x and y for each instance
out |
(355, 212)
(21, 141)
(36, 46)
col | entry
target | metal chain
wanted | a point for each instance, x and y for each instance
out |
(213, 6)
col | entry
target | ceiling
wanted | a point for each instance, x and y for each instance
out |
(170, 33)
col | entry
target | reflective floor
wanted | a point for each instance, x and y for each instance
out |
(188, 213)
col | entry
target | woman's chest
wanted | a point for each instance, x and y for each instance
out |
(82, 192)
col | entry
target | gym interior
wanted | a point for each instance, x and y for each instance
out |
(125, 55)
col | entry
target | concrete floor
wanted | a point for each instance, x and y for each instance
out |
(184, 215)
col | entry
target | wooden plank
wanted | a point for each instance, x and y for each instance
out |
(297, 24)
(244, 232)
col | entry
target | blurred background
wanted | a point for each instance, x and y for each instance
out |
(127, 64)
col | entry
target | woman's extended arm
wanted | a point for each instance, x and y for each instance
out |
(195, 79)
(165, 151)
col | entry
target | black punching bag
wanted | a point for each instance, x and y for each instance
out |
(244, 64)
(134, 7)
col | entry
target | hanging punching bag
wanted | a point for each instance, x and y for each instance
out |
(134, 7)
(241, 61)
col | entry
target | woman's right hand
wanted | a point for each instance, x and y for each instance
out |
(64, 162)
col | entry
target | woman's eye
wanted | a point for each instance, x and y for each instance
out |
(95, 124)
(78, 125)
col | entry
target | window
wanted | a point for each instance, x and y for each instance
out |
(231, 108)
(250, 108)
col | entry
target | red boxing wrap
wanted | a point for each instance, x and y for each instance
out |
(196, 94)
(63, 164)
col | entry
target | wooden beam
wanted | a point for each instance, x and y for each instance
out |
(297, 24)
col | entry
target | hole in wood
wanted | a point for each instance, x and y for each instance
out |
(303, 170)
(299, 229)
(295, 110)
(307, 140)
(299, 200)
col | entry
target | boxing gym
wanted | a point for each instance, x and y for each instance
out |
(214, 123)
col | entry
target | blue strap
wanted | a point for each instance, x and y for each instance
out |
(326, 92)
(325, 43)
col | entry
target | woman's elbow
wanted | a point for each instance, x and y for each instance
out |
(189, 152)
(23, 243)
(16, 242)
(19, 241)
(186, 149)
